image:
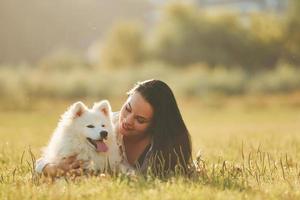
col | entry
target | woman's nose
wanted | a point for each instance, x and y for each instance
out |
(129, 120)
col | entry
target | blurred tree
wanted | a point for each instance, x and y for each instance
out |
(185, 35)
(175, 36)
(267, 41)
(123, 46)
(292, 34)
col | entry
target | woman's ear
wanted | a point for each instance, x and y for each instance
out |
(77, 109)
(104, 107)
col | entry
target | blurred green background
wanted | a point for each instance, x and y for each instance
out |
(98, 49)
(234, 66)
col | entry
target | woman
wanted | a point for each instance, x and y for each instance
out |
(153, 132)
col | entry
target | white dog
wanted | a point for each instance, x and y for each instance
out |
(88, 133)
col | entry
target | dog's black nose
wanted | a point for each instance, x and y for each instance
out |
(103, 134)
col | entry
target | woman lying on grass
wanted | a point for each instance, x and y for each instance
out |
(154, 134)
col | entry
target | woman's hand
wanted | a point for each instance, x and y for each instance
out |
(66, 166)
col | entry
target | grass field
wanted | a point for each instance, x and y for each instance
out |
(250, 149)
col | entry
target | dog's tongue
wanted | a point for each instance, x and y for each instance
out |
(101, 146)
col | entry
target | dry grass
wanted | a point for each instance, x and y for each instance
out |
(249, 150)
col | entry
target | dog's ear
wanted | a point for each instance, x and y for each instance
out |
(77, 109)
(103, 106)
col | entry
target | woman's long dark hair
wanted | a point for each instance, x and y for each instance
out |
(171, 148)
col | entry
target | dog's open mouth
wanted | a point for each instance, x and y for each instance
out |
(99, 145)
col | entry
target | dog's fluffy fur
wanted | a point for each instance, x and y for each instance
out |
(79, 132)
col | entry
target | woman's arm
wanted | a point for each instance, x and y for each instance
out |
(40, 164)
(67, 165)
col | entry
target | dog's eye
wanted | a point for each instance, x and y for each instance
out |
(90, 126)
(103, 125)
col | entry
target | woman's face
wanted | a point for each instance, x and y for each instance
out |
(135, 116)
